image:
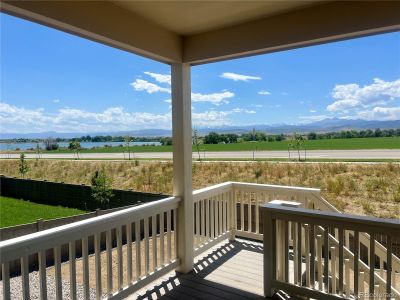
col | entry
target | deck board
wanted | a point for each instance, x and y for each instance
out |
(227, 271)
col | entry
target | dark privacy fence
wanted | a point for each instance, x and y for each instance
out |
(68, 195)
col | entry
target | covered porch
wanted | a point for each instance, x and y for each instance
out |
(305, 253)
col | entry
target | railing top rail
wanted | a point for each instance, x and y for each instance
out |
(284, 187)
(212, 187)
(335, 219)
(29, 244)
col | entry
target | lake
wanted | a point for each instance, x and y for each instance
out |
(86, 145)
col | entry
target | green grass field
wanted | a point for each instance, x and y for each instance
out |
(15, 212)
(333, 144)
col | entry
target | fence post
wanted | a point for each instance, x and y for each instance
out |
(269, 251)
(39, 224)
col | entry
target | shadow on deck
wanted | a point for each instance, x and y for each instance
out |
(230, 270)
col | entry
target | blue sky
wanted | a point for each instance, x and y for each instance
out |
(54, 81)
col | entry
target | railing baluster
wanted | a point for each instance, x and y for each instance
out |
(286, 246)
(57, 271)
(85, 262)
(137, 248)
(326, 259)
(356, 251)
(389, 250)
(224, 208)
(257, 209)
(371, 263)
(129, 251)
(241, 211)
(202, 221)
(294, 245)
(154, 238)
(42, 274)
(109, 262)
(235, 214)
(5, 276)
(72, 272)
(25, 277)
(212, 216)
(120, 258)
(307, 252)
(220, 214)
(333, 269)
(341, 257)
(312, 254)
(249, 217)
(197, 225)
(361, 284)
(162, 231)
(319, 261)
(347, 276)
(207, 202)
(299, 254)
(97, 264)
(169, 236)
(146, 247)
(175, 232)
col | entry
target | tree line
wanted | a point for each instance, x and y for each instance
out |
(229, 138)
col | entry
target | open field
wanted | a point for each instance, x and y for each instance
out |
(15, 212)
(324, 144)
(369, 189)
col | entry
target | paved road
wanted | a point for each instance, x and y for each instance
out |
(311, 154)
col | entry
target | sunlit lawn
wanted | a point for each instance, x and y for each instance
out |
(14, 212)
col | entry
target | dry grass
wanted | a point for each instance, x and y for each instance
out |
(369, 189)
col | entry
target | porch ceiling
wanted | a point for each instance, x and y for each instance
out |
(204, 31)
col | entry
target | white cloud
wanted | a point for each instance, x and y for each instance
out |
(314, 118)
(313, 111)
(350, 96)
(239, 77)
(262, 92)
(380, 113)
(56, 100)
(150, 88)
(168, 101)
(22, 120)
(243, 110)
(214, 98)
(161, 78)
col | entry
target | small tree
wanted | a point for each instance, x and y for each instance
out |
(76, 146)
(196, 142)
(50, 144)
(297, 143)
(102, 188)
(38, 151)
(128, 140)
(23, 165)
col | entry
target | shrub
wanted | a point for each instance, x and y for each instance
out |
(101, 188)
(23, 166)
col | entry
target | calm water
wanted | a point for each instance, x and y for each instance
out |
(86, 145)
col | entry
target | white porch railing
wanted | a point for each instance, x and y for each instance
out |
(130, 222)
(221, 211)
(324, 267)
(233, 209)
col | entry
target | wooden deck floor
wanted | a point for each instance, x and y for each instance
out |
(230, 270)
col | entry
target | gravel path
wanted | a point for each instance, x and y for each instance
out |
(16, 288)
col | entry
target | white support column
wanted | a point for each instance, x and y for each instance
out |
(182, 161)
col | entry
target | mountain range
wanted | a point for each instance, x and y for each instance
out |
(326, 125)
